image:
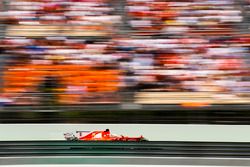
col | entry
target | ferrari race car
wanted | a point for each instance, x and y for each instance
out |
(100, 136)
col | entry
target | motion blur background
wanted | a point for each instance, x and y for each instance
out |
(140, 61)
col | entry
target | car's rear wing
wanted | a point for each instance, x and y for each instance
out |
(84, 131)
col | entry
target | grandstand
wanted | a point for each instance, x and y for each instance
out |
(187, 53)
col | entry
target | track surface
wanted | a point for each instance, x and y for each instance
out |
(146, 149)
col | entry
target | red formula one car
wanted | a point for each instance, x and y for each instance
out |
(100, 136)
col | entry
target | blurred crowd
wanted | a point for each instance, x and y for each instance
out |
(47, 53)
(75, 50)
(193, 46)
(39, 18)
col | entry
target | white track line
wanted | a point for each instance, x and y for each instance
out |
(111, 166)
